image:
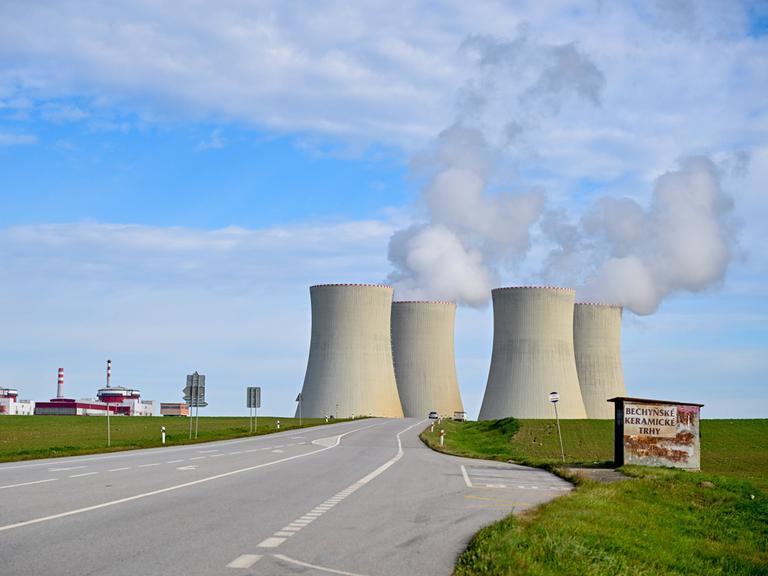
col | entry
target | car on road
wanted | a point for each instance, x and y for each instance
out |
(433, 415)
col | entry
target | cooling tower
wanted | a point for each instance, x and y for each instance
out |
(597, 345)
(532, 355)
(350, 370)
(422, 348)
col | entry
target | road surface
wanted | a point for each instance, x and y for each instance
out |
(356, 498)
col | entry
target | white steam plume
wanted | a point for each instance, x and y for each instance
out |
(636, 257)
(471, 229)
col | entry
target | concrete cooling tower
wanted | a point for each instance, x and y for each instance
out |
(422, 348)
(532, 355)
(597, 344)
(350, 370)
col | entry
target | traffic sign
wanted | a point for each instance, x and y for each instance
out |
(194, 391)
(254, 397)
(554, 397)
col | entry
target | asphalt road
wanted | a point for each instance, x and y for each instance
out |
(357, 498)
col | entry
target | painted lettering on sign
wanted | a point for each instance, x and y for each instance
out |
(656, 420)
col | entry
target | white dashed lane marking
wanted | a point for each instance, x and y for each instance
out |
(149, 465)
(67, 468)
(119, 469)
(271, 542)
(83, 474)
(244, 561)
(27, 483)
(497, 477)
(305, 520)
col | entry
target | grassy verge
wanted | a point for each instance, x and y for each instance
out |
(663, 522)
(28, 437)
(734, 448)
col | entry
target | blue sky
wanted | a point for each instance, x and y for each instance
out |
(173, 178)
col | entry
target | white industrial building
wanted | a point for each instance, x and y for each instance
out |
(350, 370)
(424, 357)
(112, 399)
(533, 355)
(11, 405)
(597, 346)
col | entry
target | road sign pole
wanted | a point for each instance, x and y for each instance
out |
(197, 409)
(559, 435)
(256, 424)
(189, 415)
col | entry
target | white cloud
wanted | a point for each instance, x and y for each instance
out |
(162, 302)
(215, 141)
(11, 139)
(376, 73)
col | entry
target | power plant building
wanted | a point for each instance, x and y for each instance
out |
(113, 399)
(597, 346)
(533, 355)
(350, 371)
(424, 357)
(11, 405)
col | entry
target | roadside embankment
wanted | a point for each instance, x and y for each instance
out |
(664, 521)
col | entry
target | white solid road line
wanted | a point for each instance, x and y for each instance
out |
(27, 483)
(177, 486)
(466, 476)
(307, 519)
(166, 450)
(244, 561)
(314, 566)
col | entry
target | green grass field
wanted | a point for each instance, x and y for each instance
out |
(27, 437)
(663, 521)
(736, 448)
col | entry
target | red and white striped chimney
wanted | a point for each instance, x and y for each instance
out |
(109, 371)
(60, 386)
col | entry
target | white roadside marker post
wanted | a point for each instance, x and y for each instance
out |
(442, 437)
(278, 424)
(162, 434)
